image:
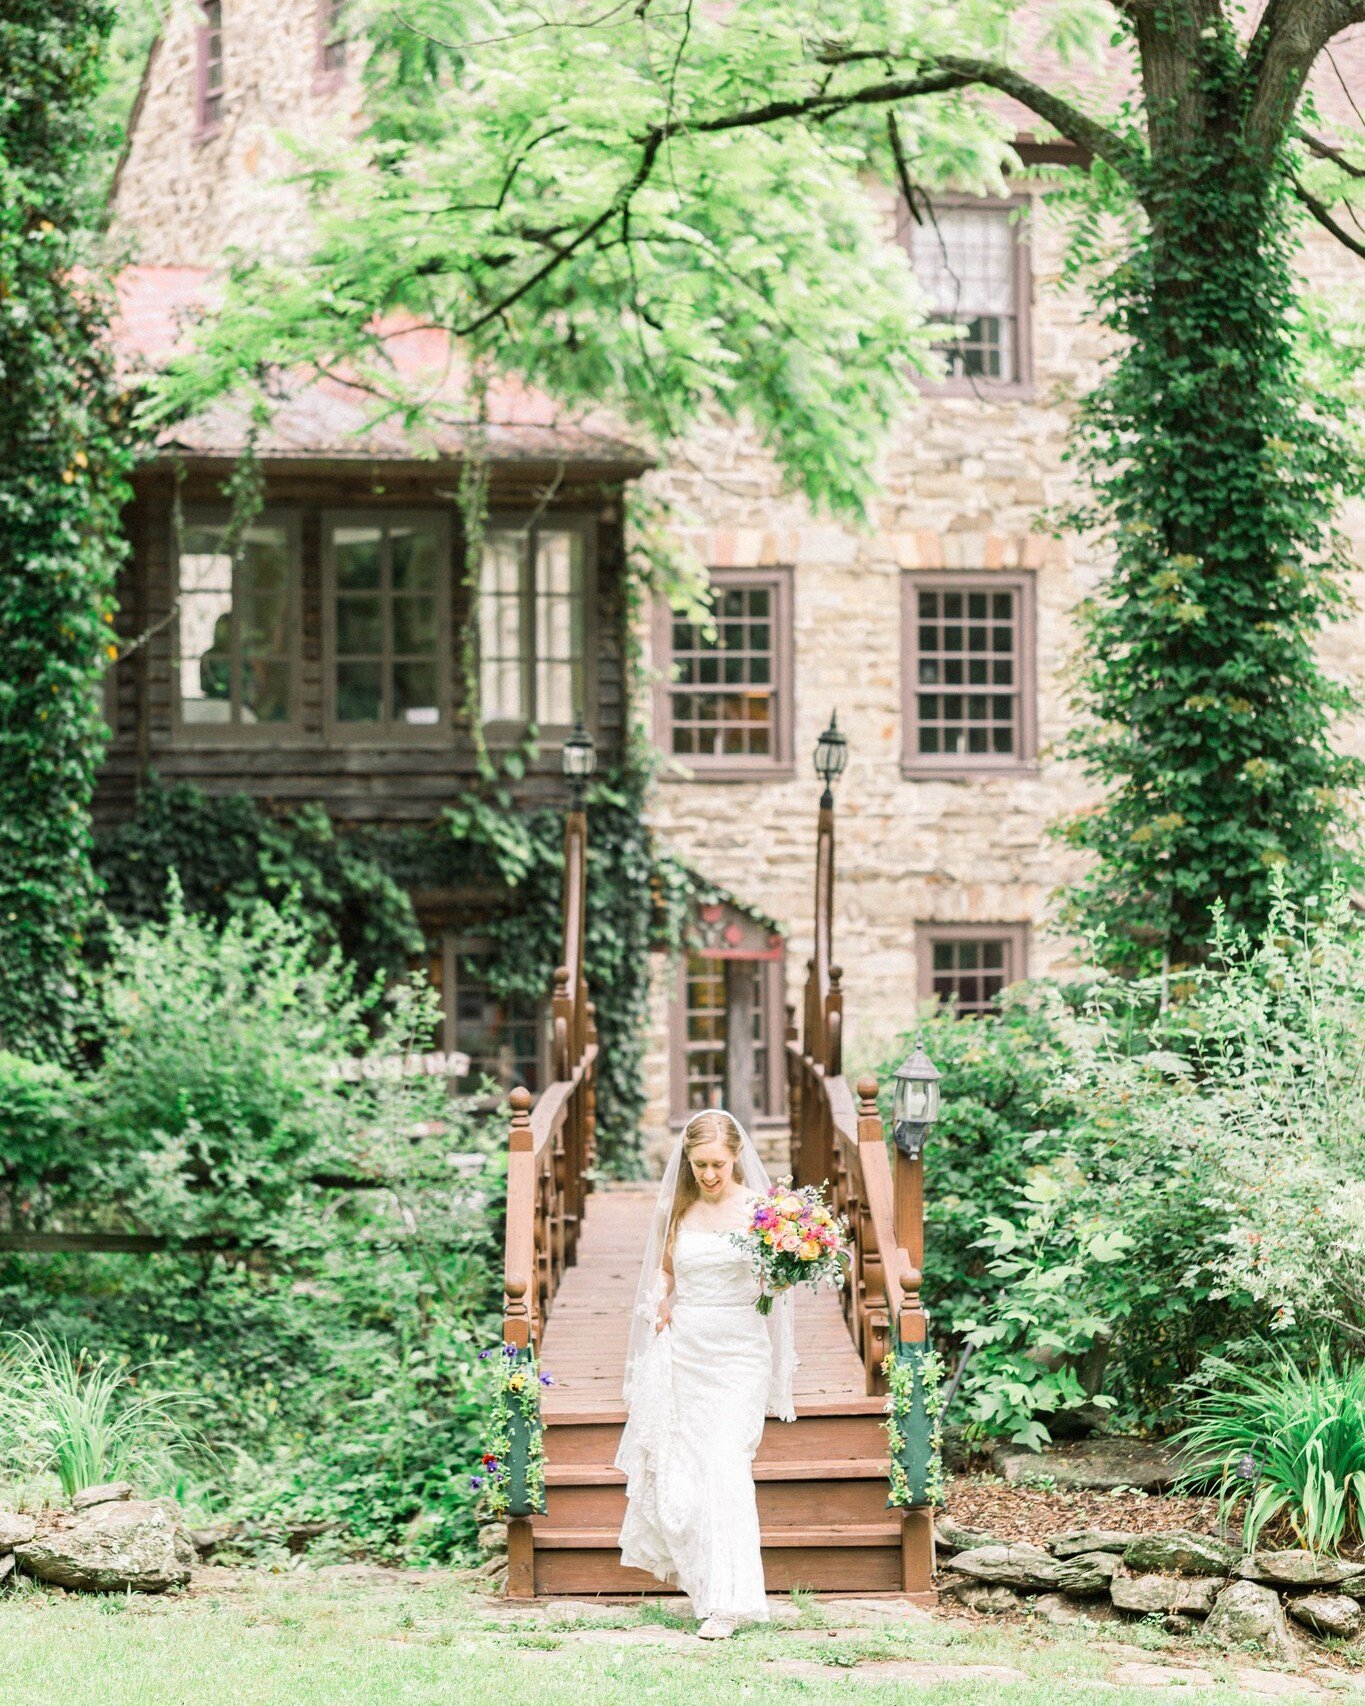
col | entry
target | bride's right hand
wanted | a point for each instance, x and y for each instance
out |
(664, 1316)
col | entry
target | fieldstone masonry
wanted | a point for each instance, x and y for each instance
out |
(966, 482)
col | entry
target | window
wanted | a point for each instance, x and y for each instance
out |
(390, 600)
(705, 1043)
(533, 594)
(331, 60)
(209, 68)
(503, 1038)
(726, 702)
(972, 266)
(726, 1019)
(967, 680)
(965, 966)
(235, 629)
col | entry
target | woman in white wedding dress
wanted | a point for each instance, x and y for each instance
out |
(702, 1369)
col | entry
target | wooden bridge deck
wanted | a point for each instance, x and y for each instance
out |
(585, 1336)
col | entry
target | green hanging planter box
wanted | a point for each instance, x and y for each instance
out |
(514, 1456)
(915, 1374)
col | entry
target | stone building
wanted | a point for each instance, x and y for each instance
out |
(939, 635)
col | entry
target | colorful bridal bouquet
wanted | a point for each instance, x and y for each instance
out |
(793, 1238)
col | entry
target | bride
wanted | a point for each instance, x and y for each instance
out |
(702, 1368)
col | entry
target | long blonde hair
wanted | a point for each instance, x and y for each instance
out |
(711, 1125)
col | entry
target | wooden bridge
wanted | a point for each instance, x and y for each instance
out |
(573, 1258)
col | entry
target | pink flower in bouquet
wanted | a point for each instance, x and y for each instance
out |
(793, 1238)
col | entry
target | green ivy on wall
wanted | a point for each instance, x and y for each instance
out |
(63, 462)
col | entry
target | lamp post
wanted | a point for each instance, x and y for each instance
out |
(915, 1106)
(831, 759)
(578, 761)
(823, 1016)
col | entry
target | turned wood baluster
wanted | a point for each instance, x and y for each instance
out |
(519, 1272)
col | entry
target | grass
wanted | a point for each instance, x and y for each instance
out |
(300, 1640)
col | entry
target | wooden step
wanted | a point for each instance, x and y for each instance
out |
(804, 1469)
(782, 1504)
(571, 1437)
(862, 1558)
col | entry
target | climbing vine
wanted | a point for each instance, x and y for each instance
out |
(1214, 472)
(63, 461)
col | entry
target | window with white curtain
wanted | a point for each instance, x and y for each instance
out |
(968, 261)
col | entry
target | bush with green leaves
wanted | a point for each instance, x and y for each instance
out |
(1290, 1440)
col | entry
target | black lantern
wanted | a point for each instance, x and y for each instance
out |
(578, 760)
(915, 1107)
(831, 757)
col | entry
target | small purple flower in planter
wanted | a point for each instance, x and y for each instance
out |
(547, 1380)
(484, 1355)
(475, 1482)
(509, 1351)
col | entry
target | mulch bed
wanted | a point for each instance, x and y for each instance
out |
(1023, 1513)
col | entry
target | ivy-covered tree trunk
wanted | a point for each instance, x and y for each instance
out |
(62, 465)
(1214, 475)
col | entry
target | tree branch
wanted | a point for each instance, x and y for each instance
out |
(1324, 218)
(1325, 151)
(1289, 37)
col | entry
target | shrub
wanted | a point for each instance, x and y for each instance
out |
(41, 1143)
(81, 1419)
(1292, 1439)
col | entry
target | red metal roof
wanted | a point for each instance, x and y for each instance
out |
(327, 419)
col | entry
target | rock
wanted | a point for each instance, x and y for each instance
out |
(208, 1539)
(978, 1596)
(493, 1538)
(1327, 1614)
(954, 1537)
(1147, 1594)
(15, 1529)
(131, 1545)
(6, 1565)
(1245, 1613)
(1181, 1553)
(1139, 1675)
(1087, 1573)
(1018, 1566)
(1275, 1683)
(107, 1493)
(1095, 1465)
(1054, 1608)
(299, 1536)
(1089, 1540)
(1300, 1569)
(1176, 1623)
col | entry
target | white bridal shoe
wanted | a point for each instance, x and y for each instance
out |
(716, 1629)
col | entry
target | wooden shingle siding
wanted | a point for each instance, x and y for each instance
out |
(398, 781)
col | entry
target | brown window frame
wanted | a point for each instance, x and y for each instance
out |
(389, 733)
(329, 66)
(206, 123)
(733, 767)
(929, 935)
(1021, 383)
(956, 766)
(450, 946)
(507, 731)
(772, 1000)
(185, 733)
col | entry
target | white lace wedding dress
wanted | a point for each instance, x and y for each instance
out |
(695, 1420)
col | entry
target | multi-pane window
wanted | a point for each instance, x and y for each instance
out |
(389, 587)
(968, 262)
(705, 1005)
(331, 41)
(234, 627)
(965, 970)
(728, 700)
(532, 618)
(968, 672)
(501, 1036)
(210, 66)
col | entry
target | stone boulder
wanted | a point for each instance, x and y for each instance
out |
(1056, 1608)
(1091, 1465)
(1300, 1569)
(956, 1537)
(1087, 1573)
(1021, 1566)
(130, 1545)
(107, 1493)
(1181, 1553)
(1180, 1595)
(15, 1529)
(1327, 1614)
(1247, 1614)
(983, 1597)
(1080, 1540)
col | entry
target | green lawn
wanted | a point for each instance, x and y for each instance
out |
(305, 1639)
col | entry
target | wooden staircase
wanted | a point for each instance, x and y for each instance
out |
(573, 1260)
(821, 1479)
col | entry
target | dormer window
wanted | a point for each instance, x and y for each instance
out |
(209, 69)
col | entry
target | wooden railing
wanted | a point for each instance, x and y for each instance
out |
(841, 1144)
(552, 1144)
